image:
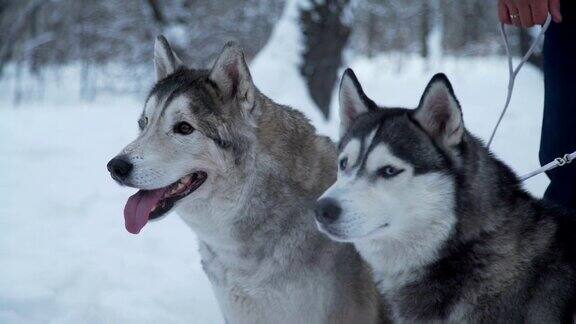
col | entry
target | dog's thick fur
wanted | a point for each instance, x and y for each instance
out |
(253, 216)
(449, 232)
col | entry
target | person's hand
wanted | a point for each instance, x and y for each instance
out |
(527, 13)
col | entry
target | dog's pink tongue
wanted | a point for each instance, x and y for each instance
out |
(138, 207)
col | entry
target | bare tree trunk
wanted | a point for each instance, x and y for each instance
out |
(424, 29)
(18, 92)
(372, 34)
(156, 12)
(325, 36)
(7, 47)
(435, 37)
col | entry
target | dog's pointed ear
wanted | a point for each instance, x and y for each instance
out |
(439, 112)
(166, 61)
(353, 100)
(232, 77)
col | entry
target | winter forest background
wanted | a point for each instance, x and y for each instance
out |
(43, 36)
(73, 78)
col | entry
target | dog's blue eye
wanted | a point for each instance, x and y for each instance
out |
(343, 163)
(389, 171)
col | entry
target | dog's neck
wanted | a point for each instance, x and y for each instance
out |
(290, 143)
(415, 277)
(276, 195)
(234, 221)
(395, 261)
(479, 211)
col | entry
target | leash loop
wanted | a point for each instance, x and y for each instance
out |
(513, 71)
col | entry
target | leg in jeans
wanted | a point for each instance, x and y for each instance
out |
(559, 122)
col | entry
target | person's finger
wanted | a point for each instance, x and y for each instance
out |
(503, 13)
(554, 6)
(525, 15)
(539, 11)
(513, 12)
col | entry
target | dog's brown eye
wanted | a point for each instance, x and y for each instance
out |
(142, 122)
(343, 163)
(183, 128)
(389, 171)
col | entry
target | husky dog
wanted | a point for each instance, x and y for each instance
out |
(449, 232)
(244, 173)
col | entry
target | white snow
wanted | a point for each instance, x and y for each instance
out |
(64, 253)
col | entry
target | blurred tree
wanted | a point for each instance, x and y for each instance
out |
(23, 23)
(424, 29)
(39, 34)
(49, 32)
(325, 36)
(406, 26)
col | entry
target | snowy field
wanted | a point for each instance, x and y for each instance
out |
(64, 253)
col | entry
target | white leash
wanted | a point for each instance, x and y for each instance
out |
(557, 162)
(512, 73)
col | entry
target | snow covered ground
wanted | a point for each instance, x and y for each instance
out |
(64, 253)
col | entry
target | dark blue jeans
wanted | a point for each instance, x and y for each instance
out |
(559, 122)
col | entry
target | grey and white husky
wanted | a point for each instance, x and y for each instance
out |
(449, 232)
(244, 173)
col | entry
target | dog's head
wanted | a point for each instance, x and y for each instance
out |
(195, 134)
(395, 175)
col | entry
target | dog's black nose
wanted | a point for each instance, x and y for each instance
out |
(119, 167)
(327, 210)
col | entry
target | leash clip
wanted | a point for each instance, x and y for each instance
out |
(560, 161)
(563, 160)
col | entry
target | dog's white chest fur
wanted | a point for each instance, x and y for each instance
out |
(250, 294)
(399, 261)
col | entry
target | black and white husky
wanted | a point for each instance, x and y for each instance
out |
(447, 228)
